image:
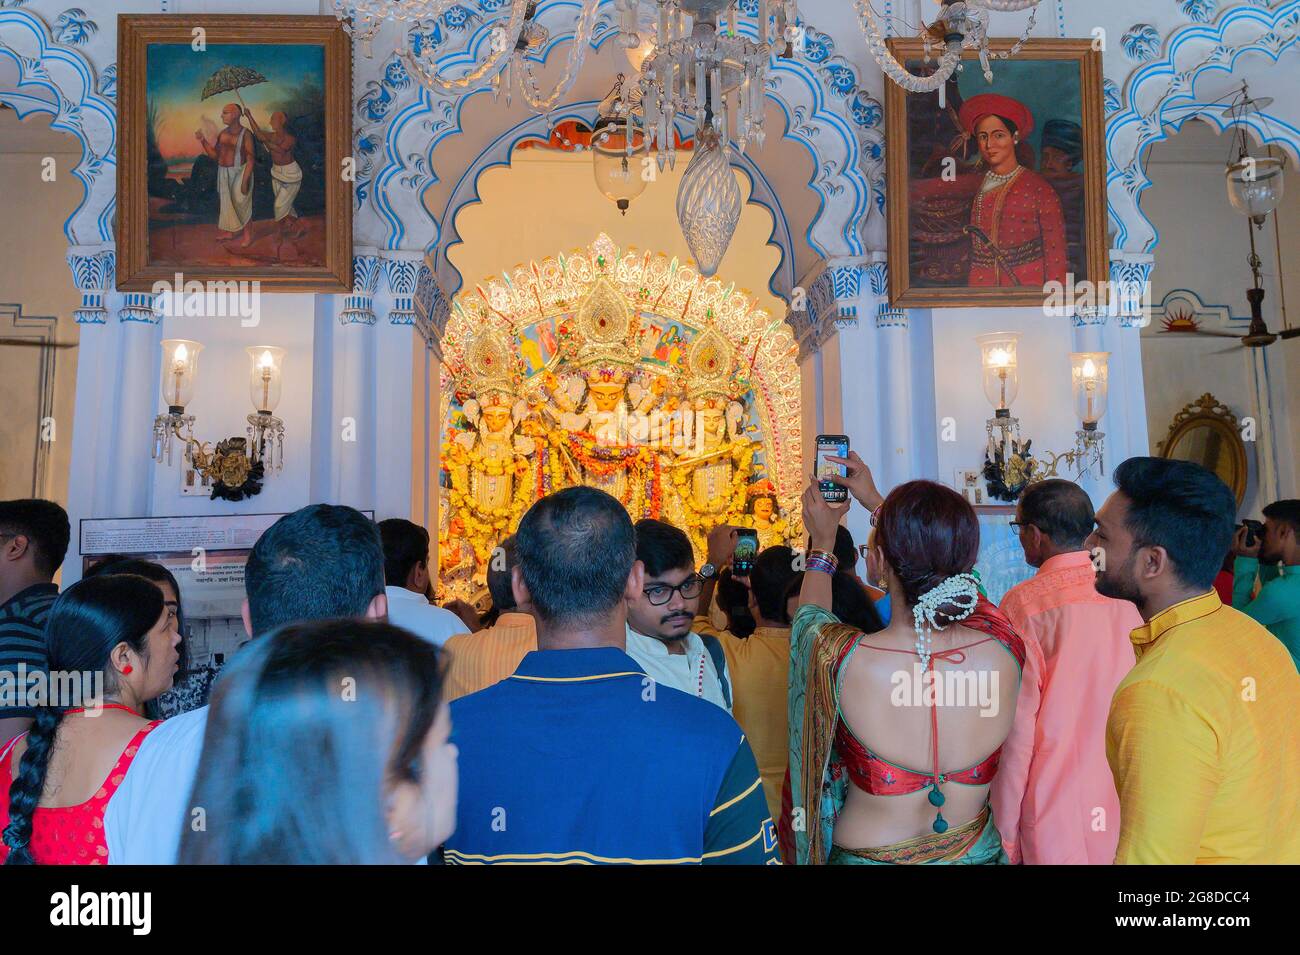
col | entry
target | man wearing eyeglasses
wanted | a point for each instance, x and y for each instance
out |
(659, 621)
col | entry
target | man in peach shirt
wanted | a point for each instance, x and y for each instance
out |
(1054, 797)
(480, 660)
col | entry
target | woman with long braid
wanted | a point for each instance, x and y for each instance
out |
(57, 779)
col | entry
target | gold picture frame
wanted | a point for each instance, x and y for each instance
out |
(320, 258)
(1206, 432)
(1086, 239)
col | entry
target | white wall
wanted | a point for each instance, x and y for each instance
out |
(1204, 247)
(221, 402)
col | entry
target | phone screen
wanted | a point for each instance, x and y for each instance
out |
(742, 559)
(831, 446)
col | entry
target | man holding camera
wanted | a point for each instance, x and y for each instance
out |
(1273, 556)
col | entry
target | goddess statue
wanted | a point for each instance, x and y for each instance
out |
(715, 459)
(489, 462)
(762, 513)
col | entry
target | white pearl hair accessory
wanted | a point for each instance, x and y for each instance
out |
(961, 591)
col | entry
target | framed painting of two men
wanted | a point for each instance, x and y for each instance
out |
(233, 135)
(998, 193)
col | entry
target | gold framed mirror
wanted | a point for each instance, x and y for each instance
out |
(1206, 432)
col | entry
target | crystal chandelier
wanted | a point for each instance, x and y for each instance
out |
(712, 72)
(961, 25)
(505, 66)
(701, 66)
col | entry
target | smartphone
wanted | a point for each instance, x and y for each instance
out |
(742, 558)
(832, 446)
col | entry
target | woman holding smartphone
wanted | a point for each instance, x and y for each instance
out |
(895, 737)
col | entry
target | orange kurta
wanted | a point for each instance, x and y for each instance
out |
(479, 660)
(1054, 798)
(1204, 741)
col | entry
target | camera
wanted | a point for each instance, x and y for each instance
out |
(1254, 531)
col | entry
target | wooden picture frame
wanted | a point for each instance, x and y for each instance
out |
(175, 230)
(927, 265)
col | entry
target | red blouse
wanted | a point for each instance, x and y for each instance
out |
(876, 776)
(69, 835)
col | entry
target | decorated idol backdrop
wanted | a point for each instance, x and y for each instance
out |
(622, 370)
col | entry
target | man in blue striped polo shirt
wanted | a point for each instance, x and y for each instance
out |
(33, 541)
(579, 757)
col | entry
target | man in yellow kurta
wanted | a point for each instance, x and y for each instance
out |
(1202, 737)
(760, 664)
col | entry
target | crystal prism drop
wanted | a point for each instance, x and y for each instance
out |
(708, 203)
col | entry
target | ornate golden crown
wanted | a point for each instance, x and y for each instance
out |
(490, 368)
(712, 369)
(604, 333)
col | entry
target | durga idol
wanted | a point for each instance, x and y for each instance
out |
(1017, 229)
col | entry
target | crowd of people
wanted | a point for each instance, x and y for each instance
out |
(621, 703)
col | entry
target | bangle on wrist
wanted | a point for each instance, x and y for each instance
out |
(822, 561)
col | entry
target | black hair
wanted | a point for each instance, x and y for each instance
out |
(307, 728)
(84, 624)
(499, 578)
(321, 561)
(733, 600)
(662, 547)
(1183, 508)
(1011, 127)
(576, 550)
(405, 544)
(1285, 512)
(850, 601)
(159, 574)
(1060, 509)
(772, 571)
(845, 550)
(46, 527)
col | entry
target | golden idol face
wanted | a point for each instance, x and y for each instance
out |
(606, 396)
(496, 419)
(764, 508)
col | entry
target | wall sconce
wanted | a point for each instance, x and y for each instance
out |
(237, 465)
(265, 430)
(179, 367)
(1090, 383)
(1007, 461)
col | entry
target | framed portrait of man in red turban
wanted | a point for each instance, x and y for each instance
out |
(997, 194)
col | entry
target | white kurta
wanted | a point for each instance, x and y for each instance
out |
(681, 671)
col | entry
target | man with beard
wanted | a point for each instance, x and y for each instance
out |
(659, 620)
(1202, 737)
(1275, 559)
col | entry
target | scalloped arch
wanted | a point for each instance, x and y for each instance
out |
(1159, 97)
(60, 82)
(394, 214)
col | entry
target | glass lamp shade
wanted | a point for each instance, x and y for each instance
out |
(1256, 185)
(1000, 363)
(618, 174)
(266, 369)
(1090, 382)
(708, 203)
(180, 365)
(645, 45)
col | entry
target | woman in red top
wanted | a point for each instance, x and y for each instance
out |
(1017, 227)
(895, 736)
(56, 780)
